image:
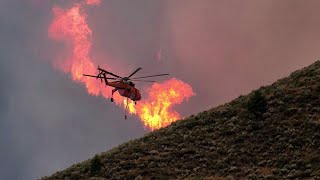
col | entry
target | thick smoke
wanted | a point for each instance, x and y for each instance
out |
(228, 48)
(222, 48)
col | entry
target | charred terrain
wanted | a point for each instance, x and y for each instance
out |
(273, 133)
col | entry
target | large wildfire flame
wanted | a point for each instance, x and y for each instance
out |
(155, 110)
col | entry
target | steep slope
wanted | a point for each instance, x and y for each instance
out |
(234, 140)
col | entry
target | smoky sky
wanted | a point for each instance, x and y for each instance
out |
(223, 49)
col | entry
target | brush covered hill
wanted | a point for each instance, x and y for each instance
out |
(272, 133)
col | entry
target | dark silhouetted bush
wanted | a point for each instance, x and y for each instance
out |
(95, 165)
(257, 104)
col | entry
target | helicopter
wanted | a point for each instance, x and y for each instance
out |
(123, 85)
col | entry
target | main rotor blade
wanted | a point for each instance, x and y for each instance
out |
(98, 77)
(150, 76)
(143, 80)
(109, 72)
(134, 72)
(89, 75)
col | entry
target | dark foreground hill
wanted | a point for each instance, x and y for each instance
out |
(273, 133)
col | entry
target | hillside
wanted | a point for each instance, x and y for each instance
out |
(273, 132)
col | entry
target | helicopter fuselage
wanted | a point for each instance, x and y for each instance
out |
(126, 90)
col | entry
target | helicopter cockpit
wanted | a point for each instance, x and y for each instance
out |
(131, 83)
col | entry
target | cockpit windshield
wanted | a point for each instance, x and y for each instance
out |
(131, 84)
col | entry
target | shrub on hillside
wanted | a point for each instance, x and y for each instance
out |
(95, 165)
(257, 104)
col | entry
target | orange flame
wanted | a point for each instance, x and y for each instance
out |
(156, 111)
(70, 25)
